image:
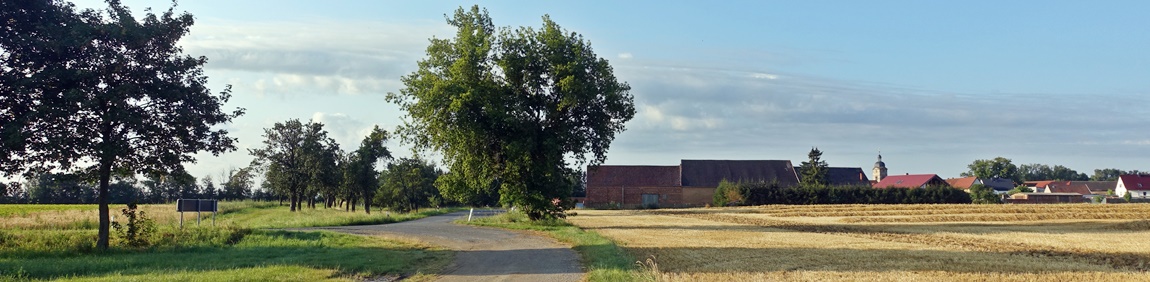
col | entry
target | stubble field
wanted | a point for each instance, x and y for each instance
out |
(1070, 242)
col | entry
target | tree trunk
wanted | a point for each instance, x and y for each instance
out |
(367, 205)
(292, 201)
(102, 199)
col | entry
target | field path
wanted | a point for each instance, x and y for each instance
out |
(483, 254)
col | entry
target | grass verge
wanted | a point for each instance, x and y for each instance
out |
(603, 260)
(57, 242)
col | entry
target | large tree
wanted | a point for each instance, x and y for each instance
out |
(998, 167)
(508, 111)
(408, 184)
(360, 177)
(292, 153)
(814, 170)
(102, 91)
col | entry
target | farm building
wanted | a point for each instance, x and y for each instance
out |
(1000, 185)
(1086, 188)
(1045, 198)
(1136, 184)
(691, 183)
(841, 176)
(910, 181)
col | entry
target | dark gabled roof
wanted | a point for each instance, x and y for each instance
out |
(999, 184)
(708, 173)
(841, 176)
(909, 181)
(632, 176)
(1099, 186)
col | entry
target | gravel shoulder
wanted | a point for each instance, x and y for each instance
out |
(482, 253)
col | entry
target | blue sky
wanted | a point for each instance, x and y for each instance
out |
(933, 84)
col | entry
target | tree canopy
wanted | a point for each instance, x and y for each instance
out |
(102, 91)
(998, 167)
(814, 170)
(508, 110)
(1033, 172)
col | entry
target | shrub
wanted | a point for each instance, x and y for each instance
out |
(139, 226)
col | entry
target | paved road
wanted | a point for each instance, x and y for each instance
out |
(484, 254)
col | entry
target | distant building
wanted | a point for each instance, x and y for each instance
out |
(1085, 188)
(691, 183)
(911, 181)
(1137, 185)
(1045, 198)
(841, 176)
(879, 170)
(999, 185)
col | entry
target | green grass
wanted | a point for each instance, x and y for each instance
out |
(260, 255)
(603, 259)
(57, 242)
(25, 209)
(282, 217)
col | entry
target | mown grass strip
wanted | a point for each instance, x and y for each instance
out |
(603, 260)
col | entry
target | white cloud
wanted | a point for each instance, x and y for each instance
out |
(764, 76)
(625, 56)
(313, 58)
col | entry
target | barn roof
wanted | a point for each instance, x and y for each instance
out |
(708, 173)
(632, 176)
(841, 175)
(908, 181)
(1075, 187)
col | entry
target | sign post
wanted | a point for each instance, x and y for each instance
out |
(198, 206)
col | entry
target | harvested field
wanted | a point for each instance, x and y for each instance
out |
(911, 242)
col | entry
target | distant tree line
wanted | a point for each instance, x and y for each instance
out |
(1003, 168)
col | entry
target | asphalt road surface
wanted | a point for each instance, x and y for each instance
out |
(483, 254)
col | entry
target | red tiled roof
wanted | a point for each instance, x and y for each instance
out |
(632, 176)
(1068, 187)
(961, 183)
(1135, 181)
(1042, 183)
(908, 181)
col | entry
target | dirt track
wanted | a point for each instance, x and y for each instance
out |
(483, 254)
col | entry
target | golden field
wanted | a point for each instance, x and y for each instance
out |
(1067, 242)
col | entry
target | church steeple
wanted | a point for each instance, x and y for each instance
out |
(879, 170)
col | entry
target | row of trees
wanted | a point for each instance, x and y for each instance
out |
(69, 188)
(1003, 168)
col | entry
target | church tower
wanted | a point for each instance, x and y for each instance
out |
(879, 169)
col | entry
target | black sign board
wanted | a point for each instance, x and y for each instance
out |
(196, 205)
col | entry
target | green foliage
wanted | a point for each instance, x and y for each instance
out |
(101, 91)
(981, 194)
(998, 167)
(508, 110)
(727, 194)
(409, 184)
(138, 228)
(1111, 174)
(1127, 196)
(814, 171)
(764, 193)
(1034, 172)
(295, 157)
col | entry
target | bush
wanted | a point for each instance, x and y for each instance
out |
(139, 226)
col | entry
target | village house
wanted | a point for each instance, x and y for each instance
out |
(692, 183)
(999, 185)
(1087, 189)
(910, 181)
(1137, 185)
(1045, 198)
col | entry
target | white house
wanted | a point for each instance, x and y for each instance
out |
(1137, 185)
